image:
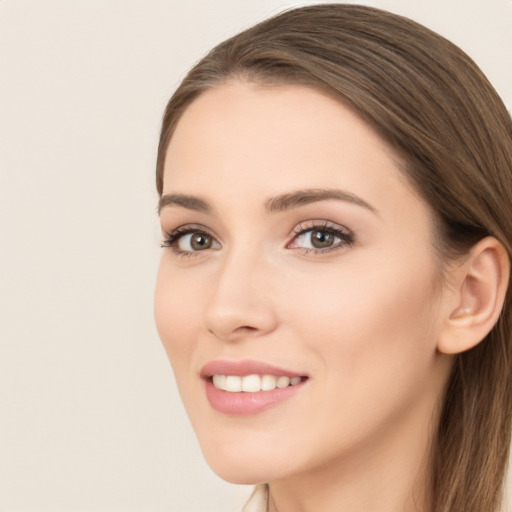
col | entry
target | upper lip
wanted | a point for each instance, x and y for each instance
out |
(244, 367)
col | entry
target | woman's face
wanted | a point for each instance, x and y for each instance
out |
(297, 256)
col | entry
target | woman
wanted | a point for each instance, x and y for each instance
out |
(335, 189)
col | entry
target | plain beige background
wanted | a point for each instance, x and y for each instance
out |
(89, 415)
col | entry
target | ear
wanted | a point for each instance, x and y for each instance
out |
(476, 300)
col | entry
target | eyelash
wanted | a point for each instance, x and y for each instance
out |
(171, 239)
(347, 237)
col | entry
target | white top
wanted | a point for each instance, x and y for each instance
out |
(258, 502)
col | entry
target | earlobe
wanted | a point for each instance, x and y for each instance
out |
(478, 295)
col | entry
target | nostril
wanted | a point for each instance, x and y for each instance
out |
(236, 333)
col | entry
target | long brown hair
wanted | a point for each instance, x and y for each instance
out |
(435, 107)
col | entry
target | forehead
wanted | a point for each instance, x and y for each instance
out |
(273, 138)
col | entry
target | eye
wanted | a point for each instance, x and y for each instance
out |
(321, 238)
(194, 242)
(190, 240)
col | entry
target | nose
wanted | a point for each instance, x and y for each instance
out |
(240, 306)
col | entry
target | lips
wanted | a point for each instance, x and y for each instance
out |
(243, 368)
(248, 387)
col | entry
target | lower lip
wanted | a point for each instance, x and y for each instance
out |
(243, 404)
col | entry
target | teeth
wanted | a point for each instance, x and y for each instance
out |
(219, 381)
(283, 382)
(233, 383)
(253, 383)
(268, 383)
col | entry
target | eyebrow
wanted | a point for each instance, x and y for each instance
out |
(308, 196)
(189, 202)
(279, 203)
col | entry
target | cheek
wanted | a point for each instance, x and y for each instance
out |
(370, 336)
(177, 314)
(360, 319)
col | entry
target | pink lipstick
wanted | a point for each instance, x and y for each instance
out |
(248, 387)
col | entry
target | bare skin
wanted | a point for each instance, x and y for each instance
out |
(360, 315)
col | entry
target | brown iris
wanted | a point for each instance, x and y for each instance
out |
(200, 241)
(321, 239)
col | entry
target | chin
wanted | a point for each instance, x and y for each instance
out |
(241, 479)
(242, 466)
(241, 473)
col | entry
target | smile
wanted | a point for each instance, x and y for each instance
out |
(245, 387)
(253, 383)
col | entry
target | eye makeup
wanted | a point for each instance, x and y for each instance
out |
(189, 239)
(320, 237)
(309, 237)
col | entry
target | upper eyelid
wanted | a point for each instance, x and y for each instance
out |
(346, 235)
(319, 224)
(185, 229)
(298, 229)
(171, 238)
